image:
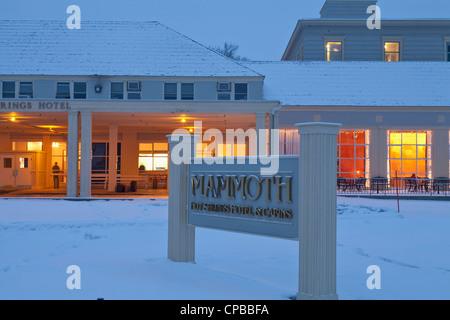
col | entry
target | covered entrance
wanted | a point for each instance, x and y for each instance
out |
(98, 150)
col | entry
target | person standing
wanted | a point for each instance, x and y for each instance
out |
(56, 171)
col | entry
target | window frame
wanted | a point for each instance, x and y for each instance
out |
(384, 40)
(74, 92)
(193, 91)
(235, 93)
(111, 91)
(56, 90)
(447, 49)
(137, 91)
(176, 91)
(15, 89)
(328, 39)
(32, 89)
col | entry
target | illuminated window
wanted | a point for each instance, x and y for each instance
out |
(334, 50)
(392, 51)
(409, 154)
(34, 146)
(23, 163)
(153, 156)
(353, 154)
(289, 142)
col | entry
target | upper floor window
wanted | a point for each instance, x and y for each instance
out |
(392, 51)
(63, 90)
(187, 91)
(8, 89)
(134, 90)
(240, 91)
(25, 90)
(334, 50)
(170, 91)
(224, 90)
(79, 90)
(117, 90)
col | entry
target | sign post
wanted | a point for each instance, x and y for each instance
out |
(317, 211)
(181, 236)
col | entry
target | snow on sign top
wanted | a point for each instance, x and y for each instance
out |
(359, 83)
(109, 49)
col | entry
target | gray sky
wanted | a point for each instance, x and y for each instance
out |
(261, 28)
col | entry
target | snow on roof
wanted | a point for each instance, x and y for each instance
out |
(376, 83)
(108, 48)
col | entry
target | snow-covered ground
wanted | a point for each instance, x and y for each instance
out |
(121, 247)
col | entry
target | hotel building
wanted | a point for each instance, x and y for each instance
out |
(100, 101)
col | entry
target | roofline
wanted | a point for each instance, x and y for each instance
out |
(344, 1)
(218, 53)
(346, 21)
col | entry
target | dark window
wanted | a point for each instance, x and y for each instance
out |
(170, 91)
(240, 91)
(187, 91)
(117, 90)
(224, 90)
(79, 90)
(7, 163)
(63, 90)
(8, 89)
(26, 90)
(448, 51)
(100, 155)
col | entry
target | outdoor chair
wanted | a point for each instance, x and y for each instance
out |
(360, 184)
(411, 184)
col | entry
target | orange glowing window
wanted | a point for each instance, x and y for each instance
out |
(409, 154)
(353, 153)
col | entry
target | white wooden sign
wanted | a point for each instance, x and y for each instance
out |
(236, 197)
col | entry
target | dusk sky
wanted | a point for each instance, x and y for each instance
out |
(261, 28)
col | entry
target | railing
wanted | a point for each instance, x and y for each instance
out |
(384, 186)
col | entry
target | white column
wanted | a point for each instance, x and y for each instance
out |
(86, 154)
(317, 211)
(274, 133)
(181, 237)
(72, 154)
(378, 153)
(112, 162)
(440, 153)
(47, 147)
(261, 125)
